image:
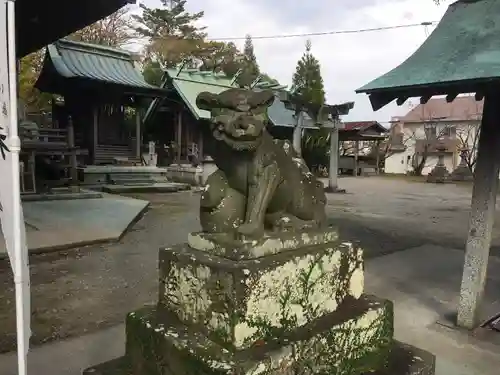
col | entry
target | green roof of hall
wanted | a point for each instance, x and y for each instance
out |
(68, 62)
(189, 83)
(462, 55)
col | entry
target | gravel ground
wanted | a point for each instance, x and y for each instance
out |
(86, 289)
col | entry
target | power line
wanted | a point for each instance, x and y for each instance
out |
(334, 32)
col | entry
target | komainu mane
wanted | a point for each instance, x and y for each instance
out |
(259, 185)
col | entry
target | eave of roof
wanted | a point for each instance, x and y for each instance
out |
(190, 82)
(462, 55)
(39, 23)
(68, 60)
(361, 126)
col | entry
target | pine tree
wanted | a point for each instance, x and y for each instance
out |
(171, 33)
(249, 64)
(307, 80)
(308, 84)
(249, 54)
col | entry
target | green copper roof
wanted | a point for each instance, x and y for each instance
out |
(462, 55)
(190, 82)
(98, 64)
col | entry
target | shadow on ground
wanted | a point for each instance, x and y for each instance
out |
(87, 289)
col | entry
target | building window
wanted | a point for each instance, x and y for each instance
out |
(449, 131)
(430, 131)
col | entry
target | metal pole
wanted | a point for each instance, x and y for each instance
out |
(21, 275)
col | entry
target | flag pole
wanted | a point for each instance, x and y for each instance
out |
(20, 258)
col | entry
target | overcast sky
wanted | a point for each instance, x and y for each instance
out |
(347, 61)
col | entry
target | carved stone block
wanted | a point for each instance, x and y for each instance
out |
(244, 293)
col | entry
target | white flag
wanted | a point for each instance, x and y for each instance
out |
(9, 197)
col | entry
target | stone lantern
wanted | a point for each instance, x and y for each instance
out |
(439, 174)
(462, 172)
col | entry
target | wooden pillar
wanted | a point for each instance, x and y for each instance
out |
(95, 134)
(200, 147)
(179, 137)
(356, 152)
(138, 134)
(73, 161)
(481, 217)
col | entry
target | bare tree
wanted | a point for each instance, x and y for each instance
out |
(114, 31)
(395, 142)
(434, 135)
(468, 138)
(348, 148)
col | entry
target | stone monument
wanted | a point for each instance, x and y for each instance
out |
(439, 174)
(462, 172)
(266, 287)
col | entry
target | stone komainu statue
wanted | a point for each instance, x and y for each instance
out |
(259, 183)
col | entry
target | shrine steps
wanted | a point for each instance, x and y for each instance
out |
(106, 154)
(168, 187)
(130, 179)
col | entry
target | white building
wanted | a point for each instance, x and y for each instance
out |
(417, 138)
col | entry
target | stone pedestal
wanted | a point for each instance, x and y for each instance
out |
(462, 172)
(328, 189)
(285, 304)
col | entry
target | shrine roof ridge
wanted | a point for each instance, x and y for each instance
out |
(70, 63)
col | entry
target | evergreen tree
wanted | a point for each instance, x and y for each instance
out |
(249, 54)
(307, 80)
(248, 64)
(171, 34)
(308, 83)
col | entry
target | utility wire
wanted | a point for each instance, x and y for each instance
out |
(334, 32)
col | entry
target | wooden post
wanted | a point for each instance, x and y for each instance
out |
(72, 160)
(482, 216)
(95, 134)
(179, 137)
(200, 147)
(138, 134)
(356, 152)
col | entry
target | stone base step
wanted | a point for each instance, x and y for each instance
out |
(60, 196)
(168, 187)
(132, 182)
(404, 360)
(358, 337)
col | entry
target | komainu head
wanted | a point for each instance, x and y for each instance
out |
(238, 116)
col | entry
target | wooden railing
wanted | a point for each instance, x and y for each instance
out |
(31, 133)
(53, 135)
